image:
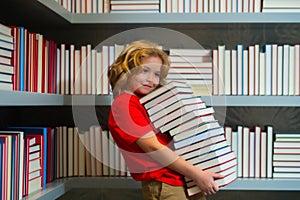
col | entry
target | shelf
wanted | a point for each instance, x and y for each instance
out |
(257, 101)
(18, 98)
(61, 186)
(264, 184)
(144, 18)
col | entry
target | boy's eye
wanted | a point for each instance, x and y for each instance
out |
(145, 70)
(157, 74)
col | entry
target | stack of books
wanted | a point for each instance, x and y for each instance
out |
(286, 157)
(198, 137)
(193, 66)
(6, 58)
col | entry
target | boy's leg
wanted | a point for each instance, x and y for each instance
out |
(155, 190)
(170, 192)
(151, 190)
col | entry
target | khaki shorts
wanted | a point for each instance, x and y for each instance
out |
(155, 190)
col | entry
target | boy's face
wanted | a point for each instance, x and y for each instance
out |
(146, 80)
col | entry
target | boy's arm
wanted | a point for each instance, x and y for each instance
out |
(205, 180)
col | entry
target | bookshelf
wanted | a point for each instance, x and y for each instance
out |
(69, 22)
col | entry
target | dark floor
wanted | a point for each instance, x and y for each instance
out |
(135, 194)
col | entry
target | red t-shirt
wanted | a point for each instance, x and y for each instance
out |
(128, 121)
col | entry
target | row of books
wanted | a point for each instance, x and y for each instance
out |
(31, 157)
(162, 6)
(253, 149)
(85, 6)
(91, 152)
(40, 65)
(274, 70)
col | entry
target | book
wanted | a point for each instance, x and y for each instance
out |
(286, 151)
(88, 167)
(269, 130)
(287, 169)
(187, 76)
(209, 155)
(205, 150)
(162, 90)
(180, 69)
(281, 4)
(189, 59)
(287, 135)
(175, 114)
(168, 102)
(220, 182)
(286, 175)
(6, 86)
(98, 149)
(263, 158)
(194, 125)
(286, 157)
(70, 150)
(257, 131)
(206, 66)
(178, 105)
(200, 115)
(287, 144)
(200, 144)
(199, 129)
(5, 143)
(76, 152)
(189, 52)
(8, 78)
(286, 163)
(199, 137)
(6, 30)
(223, 171)
(246, 152)
(168, 94)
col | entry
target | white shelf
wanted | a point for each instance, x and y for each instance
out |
(60, 186)
(144, 18)
(17, 98)
(255, 101)
(264, 184)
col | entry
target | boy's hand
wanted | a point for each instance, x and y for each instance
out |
(206, 182)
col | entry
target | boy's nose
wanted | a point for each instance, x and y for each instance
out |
(151, 77)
